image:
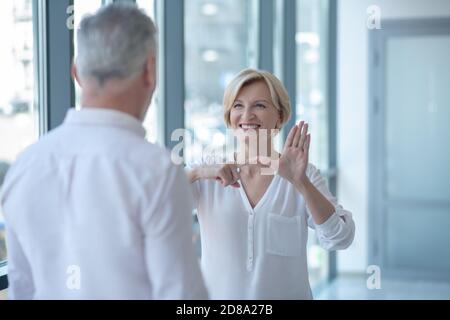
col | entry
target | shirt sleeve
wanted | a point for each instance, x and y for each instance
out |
(20, 278)
(338, 231)
(172, 265)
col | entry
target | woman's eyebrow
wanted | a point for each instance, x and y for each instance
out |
(260, 100)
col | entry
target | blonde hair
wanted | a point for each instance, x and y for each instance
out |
(278, 93)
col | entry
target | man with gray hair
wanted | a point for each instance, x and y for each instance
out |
(94, 211)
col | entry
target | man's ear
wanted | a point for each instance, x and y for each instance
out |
(150, 73)
(74, 73)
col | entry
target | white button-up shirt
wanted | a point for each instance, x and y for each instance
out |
(260, 252)
(94, 211)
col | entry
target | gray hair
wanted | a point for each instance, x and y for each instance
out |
(115, 42)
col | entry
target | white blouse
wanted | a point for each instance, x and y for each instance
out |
(260, 253)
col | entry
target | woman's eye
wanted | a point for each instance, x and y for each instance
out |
(259, 105)
(237, 106)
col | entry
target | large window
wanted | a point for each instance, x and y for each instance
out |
(312, 104)
(18, 116)
(218, 44)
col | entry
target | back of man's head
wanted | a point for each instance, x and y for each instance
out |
(115, 43)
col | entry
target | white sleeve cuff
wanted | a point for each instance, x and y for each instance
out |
(330, 226)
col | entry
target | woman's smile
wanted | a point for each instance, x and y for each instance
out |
(249, 126)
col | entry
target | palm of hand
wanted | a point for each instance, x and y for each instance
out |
(293, 164)
(295, 156)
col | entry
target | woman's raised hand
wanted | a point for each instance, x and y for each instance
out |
(294, 158)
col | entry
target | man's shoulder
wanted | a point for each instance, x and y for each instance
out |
(148, 154)
(37, 148)
(28, 154)
(45, 141)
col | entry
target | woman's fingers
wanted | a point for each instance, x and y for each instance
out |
(236, 177)
(302, 141)
(236, 185)
(297, 135)
(290, 138)
(307, 144)
(221, 176)
(228, 175)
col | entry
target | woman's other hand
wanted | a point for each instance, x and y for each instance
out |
(225, 174)
(294, 158)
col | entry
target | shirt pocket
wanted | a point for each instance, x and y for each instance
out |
(283, 235)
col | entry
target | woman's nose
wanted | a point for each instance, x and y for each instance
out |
(248, 114)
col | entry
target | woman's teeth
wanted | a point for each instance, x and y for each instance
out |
(250, 126)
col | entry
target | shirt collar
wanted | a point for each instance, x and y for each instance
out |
(104, 117)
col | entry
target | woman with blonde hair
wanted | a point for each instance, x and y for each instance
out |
(254, 225)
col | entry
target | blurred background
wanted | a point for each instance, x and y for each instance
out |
(371, 78)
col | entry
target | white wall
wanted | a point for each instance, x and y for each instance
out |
(353, 109)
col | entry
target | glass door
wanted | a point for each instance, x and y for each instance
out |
(412, 138)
